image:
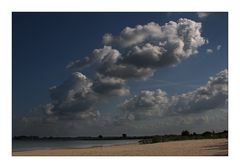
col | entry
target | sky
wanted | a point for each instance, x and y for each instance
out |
(85, 74)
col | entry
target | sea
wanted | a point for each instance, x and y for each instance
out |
(26, 145)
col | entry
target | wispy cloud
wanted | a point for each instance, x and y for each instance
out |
(203, 15)
(209, 51)
(180, 84)
(219, 47)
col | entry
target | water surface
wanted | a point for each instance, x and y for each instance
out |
(24, 145)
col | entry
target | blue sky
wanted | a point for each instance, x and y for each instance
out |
(45, 43)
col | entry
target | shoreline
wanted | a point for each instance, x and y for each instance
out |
(206, 147)
(72, 148)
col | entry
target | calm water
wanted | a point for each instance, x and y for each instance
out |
(33, 145)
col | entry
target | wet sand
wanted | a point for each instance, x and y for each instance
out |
(206, 147)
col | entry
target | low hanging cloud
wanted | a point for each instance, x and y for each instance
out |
(78, 95)
(147, 104)
(158, 104)
(214, 94)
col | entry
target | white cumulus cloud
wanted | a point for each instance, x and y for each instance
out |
(137, 52)
(158, 104)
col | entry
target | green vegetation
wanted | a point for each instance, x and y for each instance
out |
(185, 135)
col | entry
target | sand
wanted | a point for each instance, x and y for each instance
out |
(206, 147)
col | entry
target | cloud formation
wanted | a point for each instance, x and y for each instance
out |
(160, 45)
(202, 15)
(147, 104)
(73, 98)
(158, 104)
(143, 49)
(135, 53)
(105, 56)
(184, 31)
(110, 86)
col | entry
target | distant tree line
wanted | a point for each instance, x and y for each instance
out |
(185, 135)
(99, 137)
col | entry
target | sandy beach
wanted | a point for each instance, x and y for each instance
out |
(206, 147)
